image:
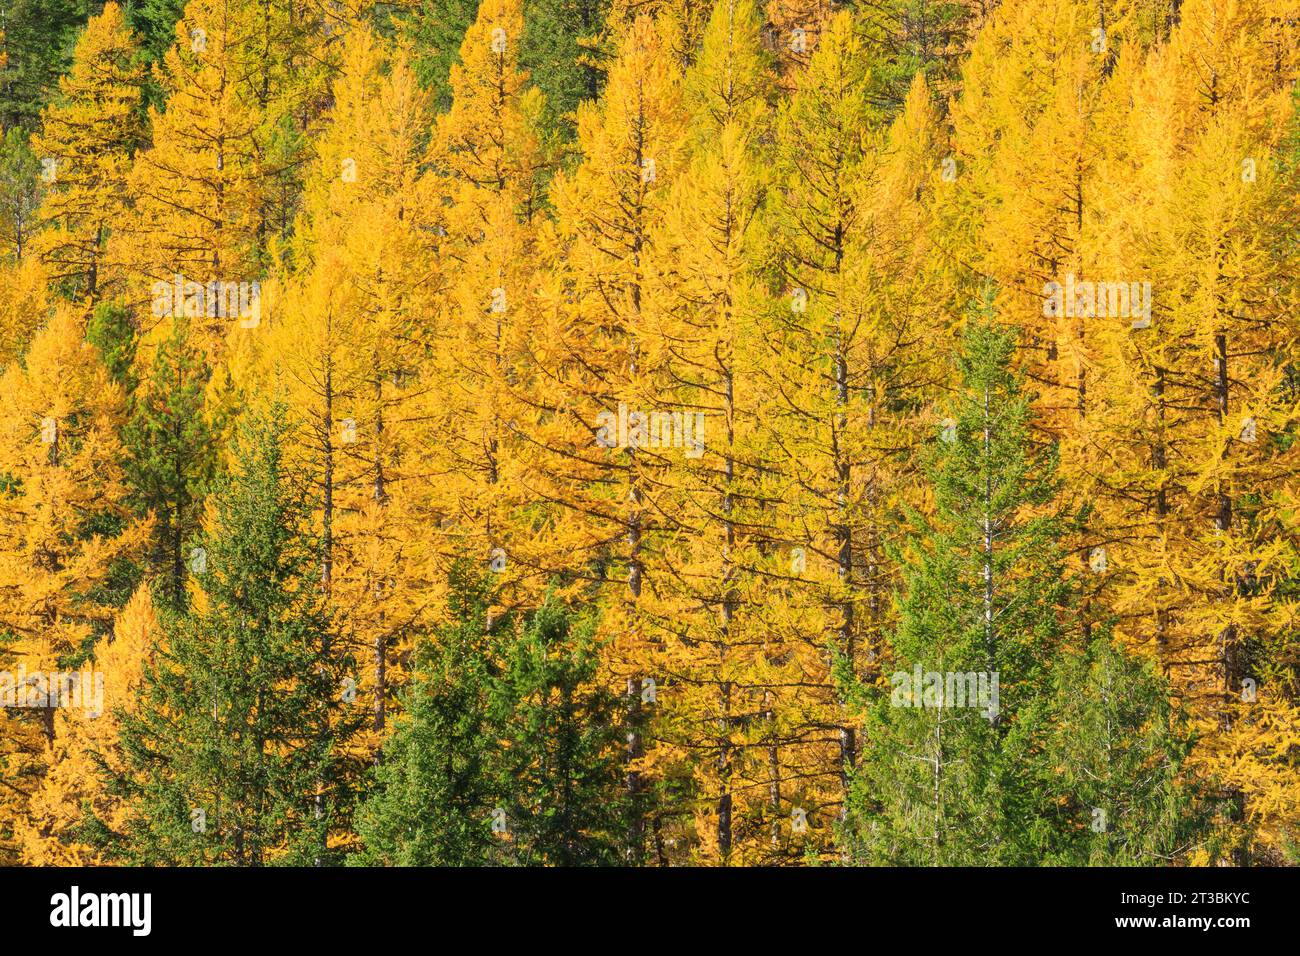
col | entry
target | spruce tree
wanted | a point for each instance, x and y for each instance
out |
(1114, 762)
(560, 770)
(35, 46)
(1069, 754)
(435, 31)
(433, 802)
(172, 453)
(509, 750)
(20, 194)
(231, 757)
(560, 52)
(984, 595)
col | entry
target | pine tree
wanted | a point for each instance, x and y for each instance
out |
(233, 754)
(172, 454)
(917, 37)
(435, 32)
(155, 22)
(1114, 765)
(21, 175)
(560, 50)
(37, 38)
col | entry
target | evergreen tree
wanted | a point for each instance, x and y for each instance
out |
(110, 330)
(916, 36)
(232, 755)
(171, 453)
(1113, 764)
(984, 596)
(20, 194)
(435, 31)
(559, 769)
(433, 803)
(560, 52)
(155, 21)
(35, 44)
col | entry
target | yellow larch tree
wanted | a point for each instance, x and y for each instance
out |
(487, 161)
(817, 379)
(596, 367)
(74, 794)
(1199, 403)
(706, 290)
(24, 304)
(345, 353)
(89, 134)
(65, 530)
(198, 189)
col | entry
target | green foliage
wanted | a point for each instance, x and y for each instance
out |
(559, 51)
(508, 751)
(20, 193)
(38, 36)
(983, 595)
(560, 771)
(111, 330)
(1075, 759)
(171, 448)
(1112, 764)
(233, 756)
(433, 798)
(911, 37)
(435, 30)
(155, 21)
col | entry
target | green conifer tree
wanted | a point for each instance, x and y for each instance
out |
(433, 802)
(560, 768)
(172, 454)
(984, 602)
(232, 756)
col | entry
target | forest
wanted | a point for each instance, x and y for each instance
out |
(665, 433)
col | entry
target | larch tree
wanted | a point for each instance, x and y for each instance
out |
(74, 807)
(67, 538)
(87, 139)
(707, 292)
(817, 383)
(1199, 399)
(486, 159)
(596, 366)
(346, 355)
